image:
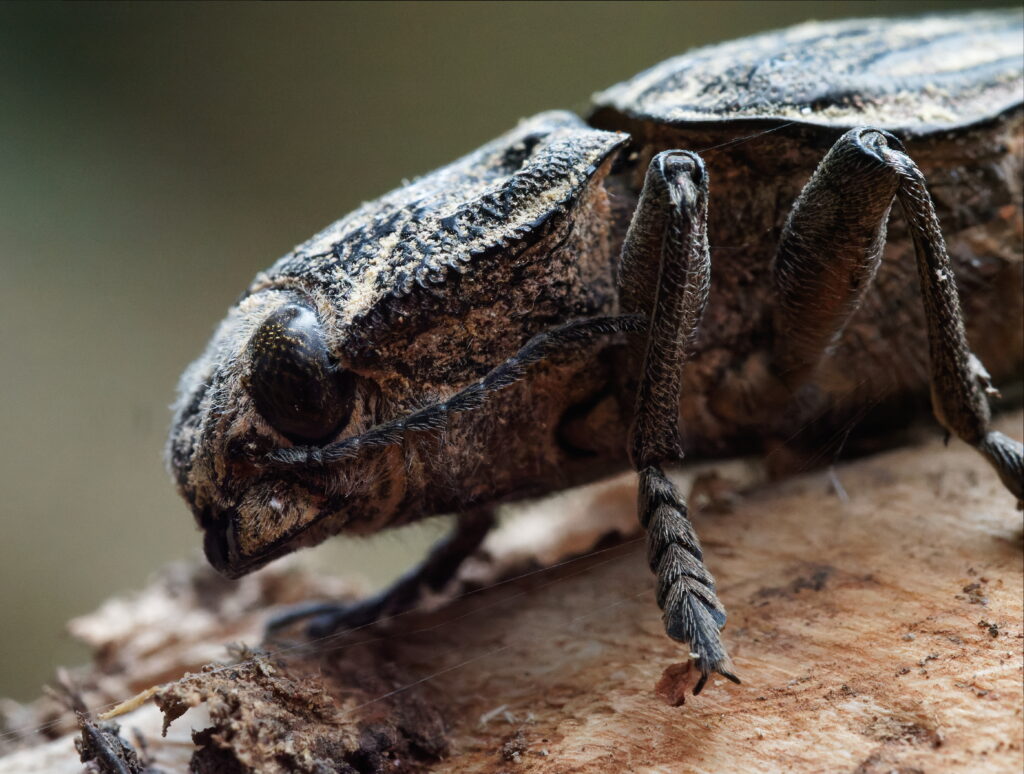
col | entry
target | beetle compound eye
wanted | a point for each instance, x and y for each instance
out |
(293, 382)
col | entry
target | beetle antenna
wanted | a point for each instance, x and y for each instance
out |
(436, 415)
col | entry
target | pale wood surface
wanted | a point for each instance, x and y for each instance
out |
(879, 634)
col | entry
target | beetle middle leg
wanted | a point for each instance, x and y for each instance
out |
(666, 249)
(830, 250)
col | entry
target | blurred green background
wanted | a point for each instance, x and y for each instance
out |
(154, 157)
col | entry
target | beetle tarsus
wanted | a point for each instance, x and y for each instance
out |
(705, 674)
(692, 612)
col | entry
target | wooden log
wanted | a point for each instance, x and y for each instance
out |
(881, 632)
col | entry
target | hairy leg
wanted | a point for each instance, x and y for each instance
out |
(435, 572)
(829, 253)
(665, 274)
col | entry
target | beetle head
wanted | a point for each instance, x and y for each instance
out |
(269, 379)
(399, 304)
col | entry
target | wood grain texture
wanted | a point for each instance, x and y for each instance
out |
(879, 634)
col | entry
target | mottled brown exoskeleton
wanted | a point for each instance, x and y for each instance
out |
(519, 321)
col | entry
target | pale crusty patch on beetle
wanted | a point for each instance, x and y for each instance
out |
(489, 200)
(909, 75)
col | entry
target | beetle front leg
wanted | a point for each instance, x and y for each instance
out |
(666, 249)
(830, 250)
(439, 567)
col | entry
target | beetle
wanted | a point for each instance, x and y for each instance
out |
(546, 310)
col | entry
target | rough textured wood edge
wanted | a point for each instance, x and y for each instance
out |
(879, 634)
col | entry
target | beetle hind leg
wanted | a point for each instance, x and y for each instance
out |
(668, 234)
(830, 250)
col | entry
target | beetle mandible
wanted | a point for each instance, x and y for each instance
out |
(546, 309)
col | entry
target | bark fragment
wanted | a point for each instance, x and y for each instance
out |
(858, 647)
